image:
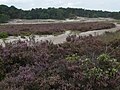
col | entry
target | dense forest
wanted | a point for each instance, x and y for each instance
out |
(53, 13)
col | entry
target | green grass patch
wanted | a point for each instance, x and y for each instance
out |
(110, 36)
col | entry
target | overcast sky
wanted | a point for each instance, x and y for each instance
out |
(109, 5)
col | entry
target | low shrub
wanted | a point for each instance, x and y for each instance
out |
(3, 34)
(2, 71)
(54, 28)
(83, 63)
(72, 57)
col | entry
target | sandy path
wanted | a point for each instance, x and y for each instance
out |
(59, 38)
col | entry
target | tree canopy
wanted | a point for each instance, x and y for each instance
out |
(55, 13)
(4, 18)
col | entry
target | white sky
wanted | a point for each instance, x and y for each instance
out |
(110, 5)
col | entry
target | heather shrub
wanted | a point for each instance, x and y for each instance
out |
(82, 63)
(2, 72)
(53, 28)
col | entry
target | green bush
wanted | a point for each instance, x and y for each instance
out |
(73, 57)
(3, 35)
(104, 66)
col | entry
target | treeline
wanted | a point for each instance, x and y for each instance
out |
(4, 18)
(54, 13)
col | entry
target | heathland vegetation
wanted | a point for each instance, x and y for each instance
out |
(81, 63)
(53, 28)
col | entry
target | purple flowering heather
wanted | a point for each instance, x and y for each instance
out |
(79, 64)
